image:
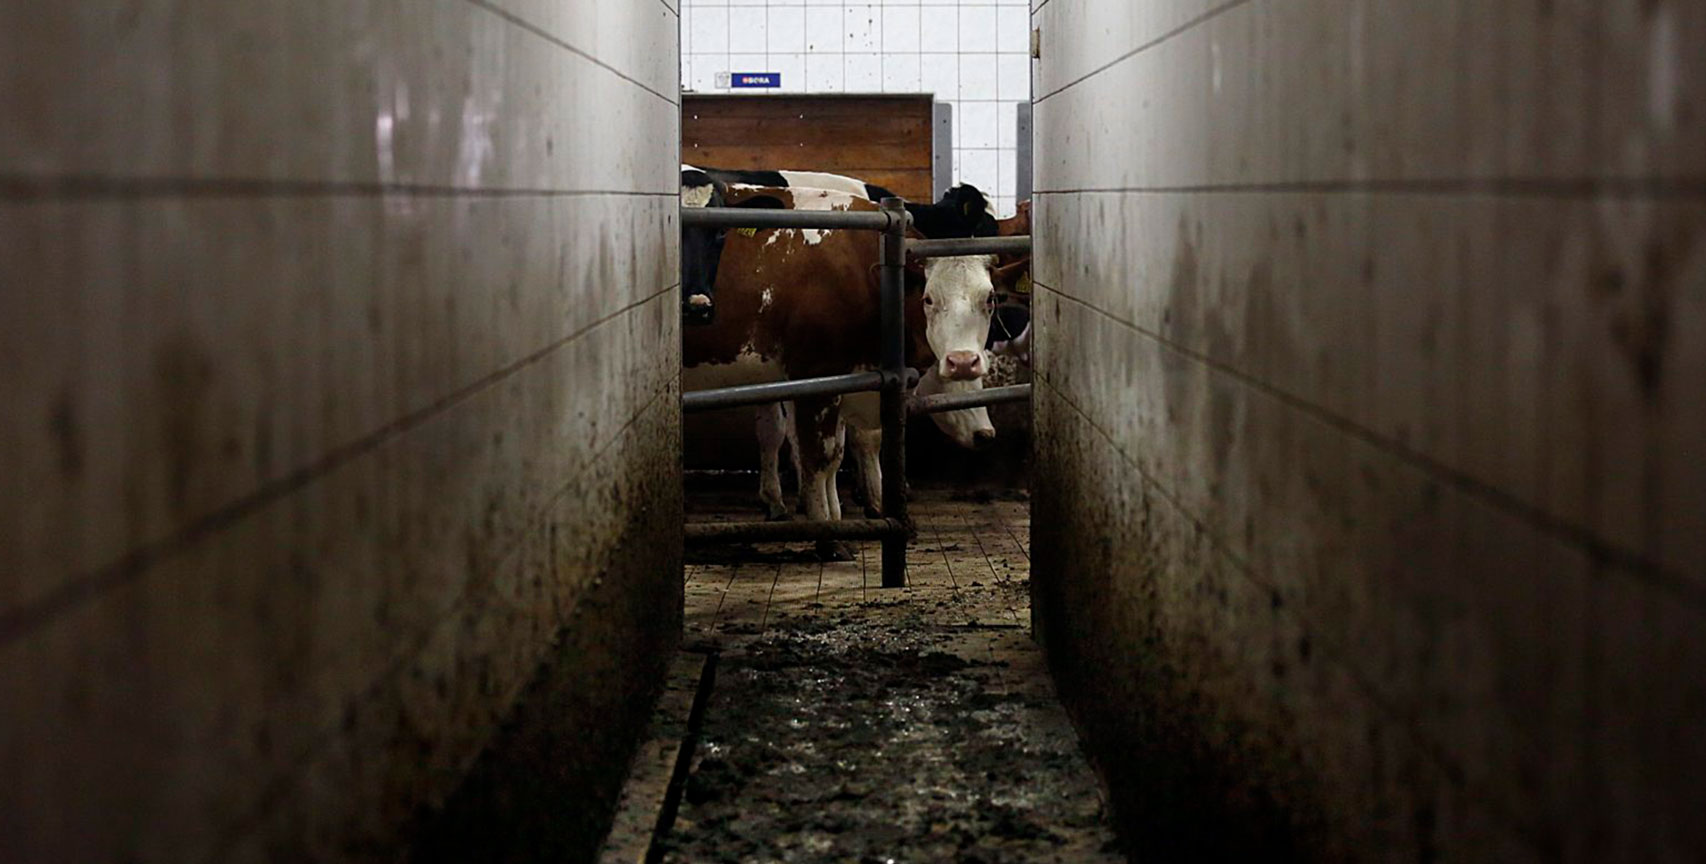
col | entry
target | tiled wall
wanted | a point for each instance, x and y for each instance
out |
(340, 379)
(973, 54)
(1370, 506)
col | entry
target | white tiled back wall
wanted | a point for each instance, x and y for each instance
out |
(973, 54)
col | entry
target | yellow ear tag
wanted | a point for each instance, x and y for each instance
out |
(750, 232)
(1024, 286)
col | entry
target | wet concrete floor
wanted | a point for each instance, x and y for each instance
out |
(848, 722)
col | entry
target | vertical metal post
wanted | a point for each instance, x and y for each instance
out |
(942, 148)
(893, 457)
(1022, 173)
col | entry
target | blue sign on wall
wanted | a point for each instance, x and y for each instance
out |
(755, 79)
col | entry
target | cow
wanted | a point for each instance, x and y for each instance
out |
(1008, 343)
(962, 212)
(805, 303)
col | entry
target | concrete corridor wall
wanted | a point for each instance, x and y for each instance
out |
(1370, 498)
(339, 371)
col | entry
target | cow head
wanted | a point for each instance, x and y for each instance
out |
(959, 297)
(1009, 334)
(972, 209)
(701, 248)
(961, 212)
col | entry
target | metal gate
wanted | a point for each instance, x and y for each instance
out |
(891, 379)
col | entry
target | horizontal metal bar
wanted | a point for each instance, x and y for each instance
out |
(745, 217)
(783, 532)
(783, 391)
(936, 403)
(1015, 245)
(780, 391)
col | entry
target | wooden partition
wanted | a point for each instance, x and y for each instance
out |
(881, 139)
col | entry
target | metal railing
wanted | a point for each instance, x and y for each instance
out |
(891, 379)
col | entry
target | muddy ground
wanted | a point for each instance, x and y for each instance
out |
(884, 732)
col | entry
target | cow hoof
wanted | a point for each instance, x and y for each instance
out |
(775, 513)
(835, 550)
(873, 512)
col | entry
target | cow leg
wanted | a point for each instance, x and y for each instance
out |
(792, 431)
(867, 446)
(832, 486)
(818, 441)
(772, 433)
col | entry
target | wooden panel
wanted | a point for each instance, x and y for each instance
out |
(884, 140)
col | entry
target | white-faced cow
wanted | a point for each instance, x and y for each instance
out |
(805, 303)
(1008, 343)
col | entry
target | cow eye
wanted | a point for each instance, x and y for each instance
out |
(929, 301)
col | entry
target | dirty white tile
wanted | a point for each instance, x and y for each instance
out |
(977, 28)
(703, 69)
(978, 77)
(748, 29)
(900, 73)
(824, 73)
(1013, 30)
(1013, 77)
(864, 73)
(793, 70)
(786, 30)
(939, 28)
(1007, 125)
(977, 119)
(710, 30)
(978, 168)
(940, 74)
(863, 25)
(823, 29)
(900, 29)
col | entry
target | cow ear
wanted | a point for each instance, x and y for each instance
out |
(1006, 278)
(762, 202)
(915, 268)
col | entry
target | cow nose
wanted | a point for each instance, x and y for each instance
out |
(983, 438)
(964, 365)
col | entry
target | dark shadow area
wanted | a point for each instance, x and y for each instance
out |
(547, 786)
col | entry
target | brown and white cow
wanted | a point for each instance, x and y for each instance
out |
(1006, 350)
(969, 428)
(800, 303)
